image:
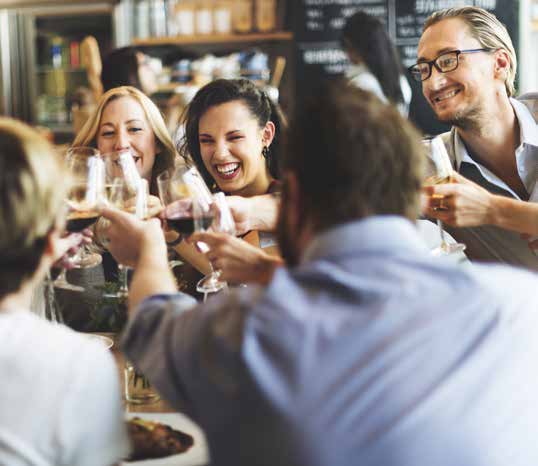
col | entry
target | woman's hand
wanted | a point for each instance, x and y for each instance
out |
(238, 261)
(68, 245)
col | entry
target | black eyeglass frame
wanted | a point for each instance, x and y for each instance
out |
(417, 76)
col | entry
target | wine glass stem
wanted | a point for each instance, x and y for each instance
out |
(123, 279)
(442, 233)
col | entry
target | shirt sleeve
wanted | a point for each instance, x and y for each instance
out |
(93, 430)
(188, 351)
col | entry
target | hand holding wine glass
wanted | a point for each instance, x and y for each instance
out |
(216, 217)
(85, 194)
(128, 191)
(443, 174)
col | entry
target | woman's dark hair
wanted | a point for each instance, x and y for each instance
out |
(367, 36)
(220, 92)
(120, 68)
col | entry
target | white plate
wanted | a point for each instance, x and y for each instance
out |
(197, 455)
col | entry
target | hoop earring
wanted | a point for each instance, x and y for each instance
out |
(265, 152)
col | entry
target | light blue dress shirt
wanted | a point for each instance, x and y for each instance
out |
(370, 352)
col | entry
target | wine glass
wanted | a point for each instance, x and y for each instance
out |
(215, 217)
(128, 191)
(83, 198)
(442, 174)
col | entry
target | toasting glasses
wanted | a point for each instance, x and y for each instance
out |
(189, 207)
(128, 191)
(443, 173)
(86, 192)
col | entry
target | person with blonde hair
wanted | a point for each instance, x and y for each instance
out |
(125, 118)
(467, 66)
(49, 373)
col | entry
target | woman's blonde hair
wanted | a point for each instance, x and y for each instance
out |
(88, 134)
(33, 185)
(486, 29)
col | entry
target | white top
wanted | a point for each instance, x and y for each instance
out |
(59, 398)
(362, 77)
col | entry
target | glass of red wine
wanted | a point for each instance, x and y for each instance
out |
(86, 192)
(215, 217)
(177, 192)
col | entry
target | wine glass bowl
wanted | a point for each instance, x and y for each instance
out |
(442, 173)
(81, 203)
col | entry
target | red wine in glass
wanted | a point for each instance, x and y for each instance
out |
(78, 221)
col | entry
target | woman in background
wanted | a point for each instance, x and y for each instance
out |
(128, 66)
(375, 64)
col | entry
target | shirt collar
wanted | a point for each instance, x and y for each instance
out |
(527, 124)
(387, 234)
(524, 159)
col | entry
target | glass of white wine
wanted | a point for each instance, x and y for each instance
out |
(443, 173)
(128, 191)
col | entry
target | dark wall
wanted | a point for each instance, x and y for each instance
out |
(317, 24)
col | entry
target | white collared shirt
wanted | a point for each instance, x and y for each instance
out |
(526, 154)
(489, 242)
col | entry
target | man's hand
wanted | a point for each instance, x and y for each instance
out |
(241, 212)
(460, 204)
(238, 261)
(128, 236)
(253, 213)
(155, 206)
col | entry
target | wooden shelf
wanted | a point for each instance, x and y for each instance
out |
(216, 39)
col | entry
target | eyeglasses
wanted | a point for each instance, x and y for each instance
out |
(444, 63)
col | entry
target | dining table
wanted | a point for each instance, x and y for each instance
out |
(161, 411)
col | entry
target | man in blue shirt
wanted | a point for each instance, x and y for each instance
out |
(467, 66)
(364, 350)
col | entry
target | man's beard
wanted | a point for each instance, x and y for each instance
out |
(466, 120)
(288, 248)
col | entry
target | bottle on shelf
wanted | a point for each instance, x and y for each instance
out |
(184, 15)
(204, 17)
(242, 16)
(142, 19)
(265, 15)
(222, 17)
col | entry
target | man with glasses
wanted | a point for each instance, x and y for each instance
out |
(467, 66)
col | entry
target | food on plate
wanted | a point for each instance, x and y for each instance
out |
(152, 439)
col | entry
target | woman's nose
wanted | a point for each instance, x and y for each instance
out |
(122, 141)
(221, 149)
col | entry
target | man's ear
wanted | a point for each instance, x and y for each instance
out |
(295, 208)
(502, 64)
(299, 220)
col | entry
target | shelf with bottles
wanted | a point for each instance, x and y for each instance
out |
(160, 22)
(216, 39)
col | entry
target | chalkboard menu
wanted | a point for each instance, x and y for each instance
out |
(317, 26)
